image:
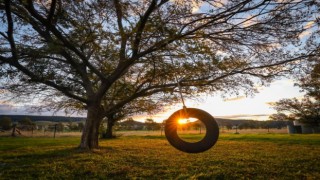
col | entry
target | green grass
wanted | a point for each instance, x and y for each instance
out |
(235, 156)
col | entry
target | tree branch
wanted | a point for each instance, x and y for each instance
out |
(10, 30)
(35, 78)
(122, 33)
(63, 39)
(52, 11)
(140, 26)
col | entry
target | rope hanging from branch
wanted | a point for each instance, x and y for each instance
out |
(212, 128)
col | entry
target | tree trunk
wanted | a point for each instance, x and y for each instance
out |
(90, 133)
(109, 133)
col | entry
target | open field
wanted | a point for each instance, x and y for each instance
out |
(41, 133)
(235, 156)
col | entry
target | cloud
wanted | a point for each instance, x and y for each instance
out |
(305, 33)
(234, 99)
(9, 109)
(246, 116)
(196, 5)
(309, 25)
(270, 103)
(220, 3)
(308, 29)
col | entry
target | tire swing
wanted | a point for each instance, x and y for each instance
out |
(209, 140)
(212, 129)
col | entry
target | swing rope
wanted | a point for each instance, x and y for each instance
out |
(175, 75)
(179, 85)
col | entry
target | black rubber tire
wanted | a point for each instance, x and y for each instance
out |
(209, 140)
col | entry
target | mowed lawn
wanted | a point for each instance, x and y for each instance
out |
(235, 156)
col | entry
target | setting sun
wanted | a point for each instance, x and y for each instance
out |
(186, 120)
(183, 121)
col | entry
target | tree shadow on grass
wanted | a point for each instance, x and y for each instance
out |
(154, 137)
(54, 163)
(62, 153)
(284, 140)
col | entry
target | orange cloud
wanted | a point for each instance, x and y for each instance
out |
(235, 98)
(309, 25)
(249, 21)
(270, 103)
(304, 34)
(246, 116)
(194, 4)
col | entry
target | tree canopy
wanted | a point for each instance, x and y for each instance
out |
(306, 110)
(103, 56)
(310, 83)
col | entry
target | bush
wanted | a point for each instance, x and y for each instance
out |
(5, 123)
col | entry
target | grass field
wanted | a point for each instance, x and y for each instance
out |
(235, 156)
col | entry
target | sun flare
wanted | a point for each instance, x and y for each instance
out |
(183, 121)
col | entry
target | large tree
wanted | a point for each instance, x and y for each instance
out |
(75, 53)
(305, 110)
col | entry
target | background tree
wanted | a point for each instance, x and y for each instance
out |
(138, 106)
(26, 124)
(310, 83)
(25, 121)
(197, 125)
(131, 124)
(111, 120)
(73, 53)
(305, 110)
(102, 128)
(248, 125)
(228, 126)
(5, 123)
(80, 125)
(60, 127)
(73, 126)
(151, 124)
(280, 117)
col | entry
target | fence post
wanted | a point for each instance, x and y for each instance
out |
(13, 130)
(161, 129)
(55, 130)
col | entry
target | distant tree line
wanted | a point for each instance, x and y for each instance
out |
(252, 124)
(27, 124)
(129, 124)
(5, 123)
(63, 127)
(17, 118)
(150, 125)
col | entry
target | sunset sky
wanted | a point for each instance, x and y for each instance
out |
(256, 107)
